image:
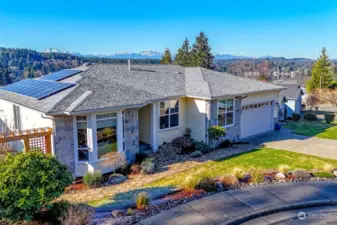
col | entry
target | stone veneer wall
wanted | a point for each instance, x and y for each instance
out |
(64, 141)
(131, 134)
(233, 133)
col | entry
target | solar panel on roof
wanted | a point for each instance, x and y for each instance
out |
(60, 75)
(38, 89)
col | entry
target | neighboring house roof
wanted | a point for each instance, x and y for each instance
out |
(107, 86)
(293, 91)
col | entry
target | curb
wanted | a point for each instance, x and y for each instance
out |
(272, 210)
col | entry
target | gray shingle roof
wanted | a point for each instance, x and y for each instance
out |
(105, 86)
(292, 91)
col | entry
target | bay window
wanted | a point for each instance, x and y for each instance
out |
(82, 143)
(169, 114)
(106, 131)
(226, 112)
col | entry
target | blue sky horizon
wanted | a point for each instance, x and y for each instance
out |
(249, 28)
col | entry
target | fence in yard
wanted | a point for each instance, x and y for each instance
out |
(38, 139)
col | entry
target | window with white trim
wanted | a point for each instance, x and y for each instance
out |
(106, 130)
(169, 114)
(226, 112)
(82, 138)
(16, 117)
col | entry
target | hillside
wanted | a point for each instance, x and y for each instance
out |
(16, 64)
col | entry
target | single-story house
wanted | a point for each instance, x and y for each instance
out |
(293, 93)
(116, 108)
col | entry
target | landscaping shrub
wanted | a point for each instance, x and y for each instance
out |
(129, 212)
(125, 169)
(196, 154)
(310, 116)
(296, 117)
(202, 147)
(256, 176)
(29, 182)
(329, 117)
(215, 132)
(140, 157)
(224, 144)
(229, 180)
(52, 213)
(284, 169)
(207, 184)
(323, 174)
(77, 215)
(301, 173)
(148, 166)
(183, 143)
(92, 179)
(238, 173)
(142, 200)
(189, 183)
(328, 167)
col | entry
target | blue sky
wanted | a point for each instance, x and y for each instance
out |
(294, 28)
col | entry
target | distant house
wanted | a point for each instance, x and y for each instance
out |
(120, 108)
(293, 94)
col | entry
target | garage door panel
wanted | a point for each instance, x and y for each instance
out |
(256, 120)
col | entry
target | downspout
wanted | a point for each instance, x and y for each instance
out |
(54, 130)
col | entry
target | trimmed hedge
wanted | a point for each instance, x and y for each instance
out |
(310, 116)
(329, 117)
(296, 116)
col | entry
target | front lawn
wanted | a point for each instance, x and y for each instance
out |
(263, 159)
(317, 128)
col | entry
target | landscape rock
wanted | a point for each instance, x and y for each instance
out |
(116, 179)
(280, 176)
(117, 213)
(335, 173)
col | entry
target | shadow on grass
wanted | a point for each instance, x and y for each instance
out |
(127, 199)
(317, 128)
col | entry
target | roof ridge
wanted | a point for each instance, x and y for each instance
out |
(203, 77)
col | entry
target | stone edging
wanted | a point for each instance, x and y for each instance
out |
(276, 209)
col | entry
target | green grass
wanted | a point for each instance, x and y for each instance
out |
(262, 159)
(317, 128)
(323, 174)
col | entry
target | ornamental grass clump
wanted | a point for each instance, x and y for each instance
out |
(301, 174)
(284, 169)
(189, 184)
(93, 179)
(142, 200)
(229, 180)
(207, 184)
(328, 167)
(238, 173)
(256, 176)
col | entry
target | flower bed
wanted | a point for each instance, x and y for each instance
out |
(189, 194)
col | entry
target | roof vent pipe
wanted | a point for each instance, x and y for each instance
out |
(129, 64)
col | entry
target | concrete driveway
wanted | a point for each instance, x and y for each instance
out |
(286, 140)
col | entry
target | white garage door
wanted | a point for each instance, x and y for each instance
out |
(256, 119)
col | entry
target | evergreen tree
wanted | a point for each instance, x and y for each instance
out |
(201, 52)
(321, 75)
(166, 58)
(183, 57)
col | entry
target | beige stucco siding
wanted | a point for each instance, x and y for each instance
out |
(260, 97)
(196, 117)
(168, 135)
(145, 124)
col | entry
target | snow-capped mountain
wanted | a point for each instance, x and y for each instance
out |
(52, 50)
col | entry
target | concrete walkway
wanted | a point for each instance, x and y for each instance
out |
(227, 206)
(286, 140)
